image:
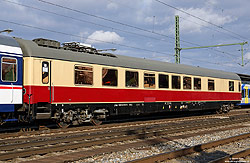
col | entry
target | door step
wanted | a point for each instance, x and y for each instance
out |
(43, 115)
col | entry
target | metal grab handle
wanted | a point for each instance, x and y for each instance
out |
(12, 92)
(53, 92)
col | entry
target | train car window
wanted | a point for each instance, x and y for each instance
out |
(231, 85)
(210, 84)
(109, 77)
(45, 72)
(187, 82)
(243, 93)
(197, 83)
(176, 82)
(9, 69)
(149, 80)
(131, 79)
(163, 81)
(239, 87)
(83, 75)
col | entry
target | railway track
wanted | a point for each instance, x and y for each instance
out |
(111, 139)
(123, 124)
(198, 148)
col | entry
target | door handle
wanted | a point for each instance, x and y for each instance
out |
(12, 93)
(53, 92)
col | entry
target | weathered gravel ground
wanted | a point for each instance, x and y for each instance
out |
(131, 154)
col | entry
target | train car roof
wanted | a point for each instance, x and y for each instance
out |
(31, 49)
(9, 41)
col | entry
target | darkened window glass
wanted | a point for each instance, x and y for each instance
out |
(231, 85)
(45, 72)
(239, 87)
(210, 84)
(187, 82)
(131, 79)
(176, 82)
(163, 81)
(9, 69)
(197, 83)
(243, 93)
(109, 77)
(83, 75)
(149, 80)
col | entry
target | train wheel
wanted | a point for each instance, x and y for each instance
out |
(95, 122)
(26, 129)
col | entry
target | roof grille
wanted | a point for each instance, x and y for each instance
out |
(47, 43)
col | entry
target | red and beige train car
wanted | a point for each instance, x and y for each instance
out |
(75, 84)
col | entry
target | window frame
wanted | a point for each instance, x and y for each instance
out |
(85, 84)
(7, 63)
(231, 87)
(239, 87)
(190, 82)
(243, 93)
(117, 78)
(48, 71)
(173, 81)
(168, 82)
(131, 86)
(198, 88)
(149, 73)
(209, 81)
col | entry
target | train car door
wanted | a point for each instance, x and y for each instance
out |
(245, 94)
(11, 80)
(46, 81)
(11, 77)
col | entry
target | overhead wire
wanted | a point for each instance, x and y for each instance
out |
(210, 28)
(98, 24)
(103, 18)
(208, 22)
(113, 21)
(85, 21)
(210, 48)
(124, 24)
(63, 33)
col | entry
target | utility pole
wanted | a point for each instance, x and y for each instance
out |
(178, 49)
(177, 41)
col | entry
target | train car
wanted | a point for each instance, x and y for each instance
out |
(73, 84)
(11, 82)
(245, 95)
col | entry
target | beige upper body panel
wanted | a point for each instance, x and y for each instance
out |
(63, 74)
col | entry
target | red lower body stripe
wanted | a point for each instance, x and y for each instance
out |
(103, 95)
(14, 87)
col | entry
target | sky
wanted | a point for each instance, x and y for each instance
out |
(140, 28)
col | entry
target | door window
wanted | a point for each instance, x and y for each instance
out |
(9, 69)
(45, 72)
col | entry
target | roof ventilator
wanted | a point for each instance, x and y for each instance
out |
(86, 48)
(47, 43)
(72, 46)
